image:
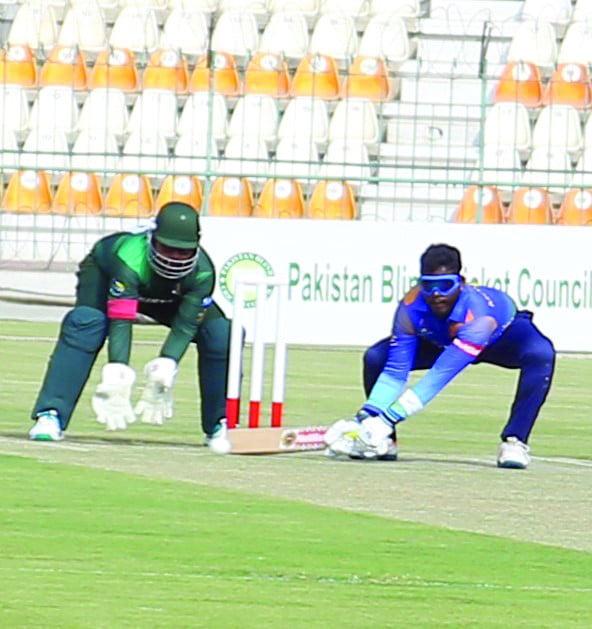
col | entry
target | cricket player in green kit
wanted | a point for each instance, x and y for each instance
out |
(162, 273)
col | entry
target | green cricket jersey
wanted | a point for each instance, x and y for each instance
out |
(123, 258)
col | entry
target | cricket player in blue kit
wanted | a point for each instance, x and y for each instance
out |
(443, 325)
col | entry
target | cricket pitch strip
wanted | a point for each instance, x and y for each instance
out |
(548, 504)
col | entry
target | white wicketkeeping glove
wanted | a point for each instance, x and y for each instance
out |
(156, 403)
(112, 399)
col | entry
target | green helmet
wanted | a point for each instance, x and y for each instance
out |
(177, 226)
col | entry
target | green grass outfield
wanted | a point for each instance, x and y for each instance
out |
(148, 529)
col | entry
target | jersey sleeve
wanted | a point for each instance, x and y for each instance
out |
(401, 355)
(122, 308)
(469, 342)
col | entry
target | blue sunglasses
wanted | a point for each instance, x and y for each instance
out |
(444, 285)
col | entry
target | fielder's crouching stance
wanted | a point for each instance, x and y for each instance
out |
(164, 274)
(444, 325)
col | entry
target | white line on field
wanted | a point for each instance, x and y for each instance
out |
(410, 581)
(52, 339)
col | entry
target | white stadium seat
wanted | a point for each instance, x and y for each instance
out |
(105, 108)
(255, 114)
(195, 117)
(155, 110)
(305, 117)
(335, 35)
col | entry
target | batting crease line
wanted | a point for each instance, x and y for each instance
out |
(414, 582)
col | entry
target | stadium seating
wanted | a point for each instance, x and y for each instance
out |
(335, 35)
(576, 208)
(236, 33)
(34, 25)
(520, 82)
(559, 127)
(576, 46)
(569, 85)
(129, 196)
(368, 78)
(183, 188)
(84, 27)
(105, 109)
(14, 108)
(255, 115)
(78, 193)
(115, 67)
(194, 154)
(204, 114)
(530, 206)
(9, 151)
(28, 192)
(286, 34)
(18, 65)
(231, 196)
(296, 157)
(386, 36)
(225, 81)
(166, 70)
(46, 148)
(96, 149)
(154, 110)
(145, 151)
(135, 28)
(480, 204)
(305, 117)
(280, 198)
(267, 73)
(535, 41)
(508, 124)
(332, 200)
(66, 66)
(316, 76)
(186, 29)
(397, 102)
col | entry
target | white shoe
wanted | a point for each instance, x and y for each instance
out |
(513, 454)
(391, 453)
(47, 428)
(218, 441)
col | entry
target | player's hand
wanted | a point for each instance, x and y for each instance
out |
(111, 401)
(156, 402)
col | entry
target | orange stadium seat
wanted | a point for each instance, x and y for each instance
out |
(316, 75)
(65, 65)
(78, 193)
(520, 82)
(367, 78)
(267, 73)
(530, 206)
(231, 196)
(576, 207)
(28, 192)
(569, 85)
(18, 65)
(280, 198)
(480, 205)
(166, 70)
(115, 67)
(129, 196)
(333, 200)
(225, 81)
(184, 188)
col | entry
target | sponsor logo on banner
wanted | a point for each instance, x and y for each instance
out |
(246, 265)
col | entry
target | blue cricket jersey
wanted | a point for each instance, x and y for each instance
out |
(478, 319)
